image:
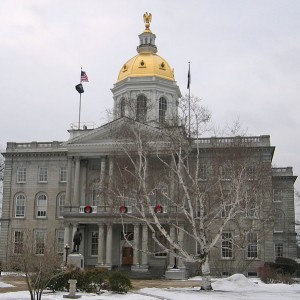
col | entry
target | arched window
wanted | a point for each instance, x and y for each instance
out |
(41, 206)
(122, 107)
(61, 204)
(162, 109)
(20, 206)
(141, 108)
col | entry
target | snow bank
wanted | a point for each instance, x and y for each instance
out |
(236, 282)
(4, 285)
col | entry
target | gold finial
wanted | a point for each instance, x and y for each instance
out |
(147, 20)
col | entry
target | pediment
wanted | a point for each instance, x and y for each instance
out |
(120, 130)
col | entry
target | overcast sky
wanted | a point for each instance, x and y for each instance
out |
(244, 54)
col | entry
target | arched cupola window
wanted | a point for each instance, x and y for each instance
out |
(122, 107)
(141, 108)
(162, 109)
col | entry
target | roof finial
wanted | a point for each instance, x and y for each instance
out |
(147, 20)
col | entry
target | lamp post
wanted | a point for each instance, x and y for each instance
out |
(175, 260)
(67, 247)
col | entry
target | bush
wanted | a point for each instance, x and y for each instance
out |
(60, 282)
(287, 265)
(91, 280)
(275, 273)
(97, 280)
(119, 283)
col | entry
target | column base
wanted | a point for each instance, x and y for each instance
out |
(108, 267)
(140, 268)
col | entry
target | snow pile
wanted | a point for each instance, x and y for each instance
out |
(236, 282)
(4, 285)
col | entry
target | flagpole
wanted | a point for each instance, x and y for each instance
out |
(189, 87)
(79, 102)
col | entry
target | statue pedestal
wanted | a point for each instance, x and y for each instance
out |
(140, 268)
(175, 274)
(76, 260)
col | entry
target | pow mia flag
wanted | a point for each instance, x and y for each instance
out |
(79, 88)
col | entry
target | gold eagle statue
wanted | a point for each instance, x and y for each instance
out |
(147, 20)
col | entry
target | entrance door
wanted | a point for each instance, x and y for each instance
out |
(127, 256)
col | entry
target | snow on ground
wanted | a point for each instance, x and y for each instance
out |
(231, 288)
(4, 285)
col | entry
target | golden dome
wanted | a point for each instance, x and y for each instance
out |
(146, 64)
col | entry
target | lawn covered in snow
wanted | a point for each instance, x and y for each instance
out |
(234, 287)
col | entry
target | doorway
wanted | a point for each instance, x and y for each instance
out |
(127, 256)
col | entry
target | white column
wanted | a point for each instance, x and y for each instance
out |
(100, 258)
(102, 171)
(136, 242)
(77, 182)
(108, 246)
(83, 179)
(110, 171)
(171, 256)
(180, 263)
(145, 245)
(69, 182)
(102, 177)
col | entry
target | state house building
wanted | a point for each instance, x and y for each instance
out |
(55, 188)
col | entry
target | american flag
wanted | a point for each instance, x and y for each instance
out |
(84, 77)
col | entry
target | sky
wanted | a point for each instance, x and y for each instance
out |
(236, 286)
(244, 55)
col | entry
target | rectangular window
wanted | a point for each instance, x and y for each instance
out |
(225, 173)
(278, 250)
(277, 195)
(227, 245)
(63, 174)
(250, 171)
(94, 245)
(202, 172)
(159, 250)
(60, 241)
(18, 242)
(43, 174)
(40, 236)
(20, 206)
(21, 175)
(97, 195)
(252, 248)
(251, 205)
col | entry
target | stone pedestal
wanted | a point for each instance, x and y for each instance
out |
(72, 290)
(76, 260)
(175, 274)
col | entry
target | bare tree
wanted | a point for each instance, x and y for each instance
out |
(37, 257)
(212, 189)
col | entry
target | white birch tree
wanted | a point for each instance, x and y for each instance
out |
(205, 192)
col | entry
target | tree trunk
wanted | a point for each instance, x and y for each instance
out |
(206, 280)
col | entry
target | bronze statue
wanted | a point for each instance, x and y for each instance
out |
(77, 240)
